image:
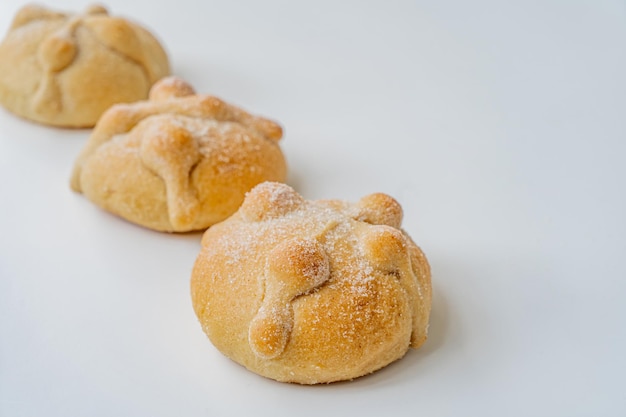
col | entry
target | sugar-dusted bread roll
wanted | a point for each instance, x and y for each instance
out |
(67, 69)
(312, 291)
(179, 161)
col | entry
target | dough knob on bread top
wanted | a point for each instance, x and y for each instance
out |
(312, 291)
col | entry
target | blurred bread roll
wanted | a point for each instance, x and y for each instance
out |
(179, 161)
(66, 69)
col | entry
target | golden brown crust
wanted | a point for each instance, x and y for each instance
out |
(311, 291)
(66, 70)
(179, 161)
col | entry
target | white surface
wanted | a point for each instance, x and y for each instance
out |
(500, 128)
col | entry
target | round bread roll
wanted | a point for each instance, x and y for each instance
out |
(67, 69)
(179, 161)
(312, 291)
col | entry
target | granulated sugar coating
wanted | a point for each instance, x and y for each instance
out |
(312, 291)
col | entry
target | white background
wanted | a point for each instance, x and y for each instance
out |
(499, 126)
